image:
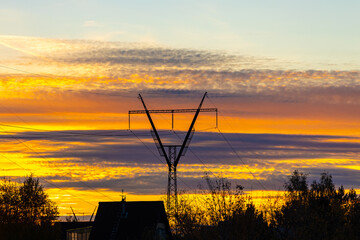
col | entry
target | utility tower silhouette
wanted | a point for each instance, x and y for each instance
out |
(172, 156)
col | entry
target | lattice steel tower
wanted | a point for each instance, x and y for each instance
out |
(172, 155)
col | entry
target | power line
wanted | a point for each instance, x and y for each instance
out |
(87, 134)
(51, 77)
(23, 71)
(236, 153)
(233, 149)
(158, 158)
(70, 133)
(198, 158)
(48, 162)
(62, 131)
(51, 183)
(147, 147)
(22, 142)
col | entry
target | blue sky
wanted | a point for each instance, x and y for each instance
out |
(316, 34)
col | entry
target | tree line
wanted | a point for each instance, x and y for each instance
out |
(26, 212)
(315, 211)
(308, 211)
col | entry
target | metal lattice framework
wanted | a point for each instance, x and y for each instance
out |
(172, 111)
(172, 156)
(172, 182)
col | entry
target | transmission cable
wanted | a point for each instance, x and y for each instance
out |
(38, 131)
(197, 157)
(56, 168)
(51, 183)
(156, 156)
(237, 155)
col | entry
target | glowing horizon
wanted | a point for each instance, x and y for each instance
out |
(64, 106)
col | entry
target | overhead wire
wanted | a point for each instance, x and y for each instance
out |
(71, 133)
(82, 182)
(58, 131)
(196, 156)
(50, 183)
(51, 77)
(228, 123)
(87, 134)
(157, 157)
(137, 135)
(23, 71)
(236, 153)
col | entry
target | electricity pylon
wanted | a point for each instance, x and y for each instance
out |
(172, 156)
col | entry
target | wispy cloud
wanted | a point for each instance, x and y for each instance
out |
(114, 66)
(269, 156)
(97, 83)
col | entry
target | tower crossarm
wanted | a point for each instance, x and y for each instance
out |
(173, 155)
(173, 111)
(189, 110)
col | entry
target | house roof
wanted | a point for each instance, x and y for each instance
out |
(129, 220)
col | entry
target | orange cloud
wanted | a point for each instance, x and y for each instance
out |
(304, 119)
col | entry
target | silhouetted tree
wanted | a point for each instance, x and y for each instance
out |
(297, 184)
(246, 223)
(317, 212)
(26, 212)
(352, 226)
(220, 212)
(321, 212)
(221, 201)
(189, 217)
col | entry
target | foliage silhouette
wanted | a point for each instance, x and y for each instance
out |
(26, 212)
(321, 212)
(219, 212)
(317, 212)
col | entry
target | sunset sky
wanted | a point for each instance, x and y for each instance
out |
(283, 74)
